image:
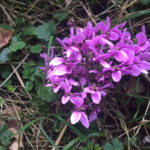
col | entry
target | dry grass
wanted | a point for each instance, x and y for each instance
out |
(118, 108)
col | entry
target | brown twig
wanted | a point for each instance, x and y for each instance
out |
(88, 12)
(60, 136)
(146, 111)
(20, 80)
(15, 70)
(8, 16)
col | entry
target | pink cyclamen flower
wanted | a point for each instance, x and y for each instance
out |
(95, 94)
(79, 116)
(93, 58)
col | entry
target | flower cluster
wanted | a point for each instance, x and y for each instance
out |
(92, 60)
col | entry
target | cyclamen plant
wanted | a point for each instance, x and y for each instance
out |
(92, 60)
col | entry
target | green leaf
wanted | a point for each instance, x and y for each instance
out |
(46, 93)
(36, 49)
(19, 21)
(15, 39)
(29, 65)
(47, 137)
(5, 54)
(44, 31)
(1, 100)
(11, 88)
(60, 15)
(92, 3)
(50, 27)
(117, 144)
(5, 135)
(28, 73)
(138, 98)
(84, 148)
(137, 14)
(6, 73)
(60, 2)
(6, 26)
(90, 145)
(97, 147)
(17, 45)
(29, 85)
(71, 143)
(145, 2)
(29, 30)
(2, 148)
(108, 146)
(8, 83)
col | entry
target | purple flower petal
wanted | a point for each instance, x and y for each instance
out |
(71, 32)
(92, 48)
(47, 85)
(144, 64)
(88, 90)
(103, 93)
(101, 26)
(75, 49)
(73, 82)
(145, 46)
(61, 42)
(75, 117)
(65, 99)
(82, 81)
(113, 36)
(84, 94)
(141, 37)
(43, 55)
(84, 120)
(57, 61)
(42, 68)
(143, 71)
(105, 41)
(104, 64)
(78, 38)
(76, 100)
(66, 87)
(56, 89)
(143, 28)
(88, 30)
(52, 53)
(96, 97)
(108, 22)
(69, 51)
(60, 70)
(92, 116)
(78, 56)
(121, 56)
(135, 70)
(131, 54)
(145, 56)
(93, 71)
(116, 76)
(101, 79)
(123, 24)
